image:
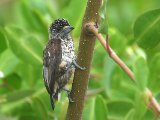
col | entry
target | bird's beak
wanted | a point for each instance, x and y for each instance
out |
(67, 29)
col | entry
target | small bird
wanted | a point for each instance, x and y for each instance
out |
(59, 59)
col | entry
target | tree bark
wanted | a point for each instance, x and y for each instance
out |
(84, 59)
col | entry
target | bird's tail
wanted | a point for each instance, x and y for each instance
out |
(53, 99)
(52, 102)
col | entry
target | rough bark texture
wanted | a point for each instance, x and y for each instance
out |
(85, 53)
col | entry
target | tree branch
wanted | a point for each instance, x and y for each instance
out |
(86, 47)
(91, 27)
(152, 102)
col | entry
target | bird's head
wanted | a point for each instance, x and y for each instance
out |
(60, 27)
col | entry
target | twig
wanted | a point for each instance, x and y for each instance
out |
(91, 27)
(152, 102)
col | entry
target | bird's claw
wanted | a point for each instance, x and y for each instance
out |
(69, 95)
(78, 66)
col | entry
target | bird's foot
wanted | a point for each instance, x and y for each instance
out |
(78, 66)
(68, 94)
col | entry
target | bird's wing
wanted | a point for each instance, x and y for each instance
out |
(51, 59)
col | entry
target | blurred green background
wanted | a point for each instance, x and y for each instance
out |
(111, 94)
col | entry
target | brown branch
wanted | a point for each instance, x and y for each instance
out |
(86, 47)
(152, 102)
(91, 27)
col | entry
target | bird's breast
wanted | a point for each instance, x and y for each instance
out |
(67, 51)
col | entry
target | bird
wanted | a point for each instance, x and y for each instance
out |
(59, 59)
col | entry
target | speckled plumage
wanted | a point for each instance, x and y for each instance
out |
(58, 57)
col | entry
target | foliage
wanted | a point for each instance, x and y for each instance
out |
(23, 35)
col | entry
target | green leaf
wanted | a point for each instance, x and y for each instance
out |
(130, 115)
(6, 117)
(15, 98)
(3, 42)
(40, 108)
(149, 115)
(18, 99)
(109, 66)
(63, 110)
(29, 49)
(140, 106)
(101, 112)
(141, 73)
(24, 111)
(98, 64)
(115, 108)
(13, 82)
(146, 29)
(152, 52)
(30, 17)
(29, 74)
(154, 67)
(18, 95)
(78, 10)
(117, 38)
(17, 108)
(88, 113)
(103, 14)
(41, 22)
(74, 19)
(8, 62)
(29, 117)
